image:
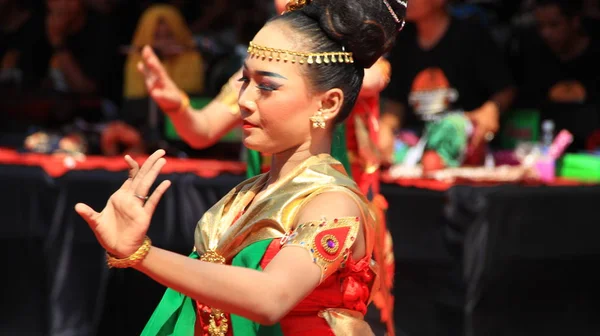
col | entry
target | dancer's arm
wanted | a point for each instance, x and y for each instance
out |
(204, 127)
(199, 128)
(264, 297)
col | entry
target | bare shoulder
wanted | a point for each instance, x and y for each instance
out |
(330, 204)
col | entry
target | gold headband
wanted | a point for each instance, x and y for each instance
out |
(300, 57)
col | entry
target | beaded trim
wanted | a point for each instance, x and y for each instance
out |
(403, 3)
(393, 13)
(391, 10)
(300, 57)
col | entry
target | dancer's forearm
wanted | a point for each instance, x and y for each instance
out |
(202, 128)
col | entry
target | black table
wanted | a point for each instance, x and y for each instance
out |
(465, 258)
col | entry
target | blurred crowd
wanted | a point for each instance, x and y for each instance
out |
(68, 68)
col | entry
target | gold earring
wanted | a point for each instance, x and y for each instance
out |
(318, 120)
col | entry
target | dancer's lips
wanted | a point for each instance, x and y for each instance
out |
(248, 125)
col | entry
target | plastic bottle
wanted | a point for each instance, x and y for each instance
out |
(547, 135)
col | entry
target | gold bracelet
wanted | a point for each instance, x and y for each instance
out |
(133, 259)
(229, 97)
(185, 103)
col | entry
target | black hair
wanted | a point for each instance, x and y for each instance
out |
(367, 28)
(569, 8)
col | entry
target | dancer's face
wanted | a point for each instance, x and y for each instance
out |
(276, 98)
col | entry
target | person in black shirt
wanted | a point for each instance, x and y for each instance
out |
(442, 64)
(85, 50)
(556, 68)
(24, 52)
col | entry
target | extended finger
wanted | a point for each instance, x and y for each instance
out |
(143, 188)
(88, 214)
(152, 62)
(134, 167)
(152, 202)
(150, 78)
(146, 168)
(141, 68)
(150, 75)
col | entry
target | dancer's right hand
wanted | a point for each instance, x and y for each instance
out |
(122, 225)
(158, 83)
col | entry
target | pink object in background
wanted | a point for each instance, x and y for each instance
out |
(408, 137)
(545, 169)
(560, 144)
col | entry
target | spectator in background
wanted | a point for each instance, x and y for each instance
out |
(24, 52)
(123, 15)
(206, 16)
(591, 19)
(105, 7)
(442, 64)
(556, 68)
(84, 45)
(164, 29)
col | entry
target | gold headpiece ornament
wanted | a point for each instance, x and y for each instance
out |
(293, 5)
(300, 57)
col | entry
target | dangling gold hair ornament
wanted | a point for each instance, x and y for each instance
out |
(271, 54)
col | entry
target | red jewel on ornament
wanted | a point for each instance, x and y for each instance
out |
(335, 220)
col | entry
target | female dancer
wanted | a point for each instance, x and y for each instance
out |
(288, 252)
(353, 145)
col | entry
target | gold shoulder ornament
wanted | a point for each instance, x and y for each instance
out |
(328, 241)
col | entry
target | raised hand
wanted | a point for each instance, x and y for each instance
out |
(122, 225)
(487, 122)
(158, 83)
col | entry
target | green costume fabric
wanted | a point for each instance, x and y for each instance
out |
(175, 315)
